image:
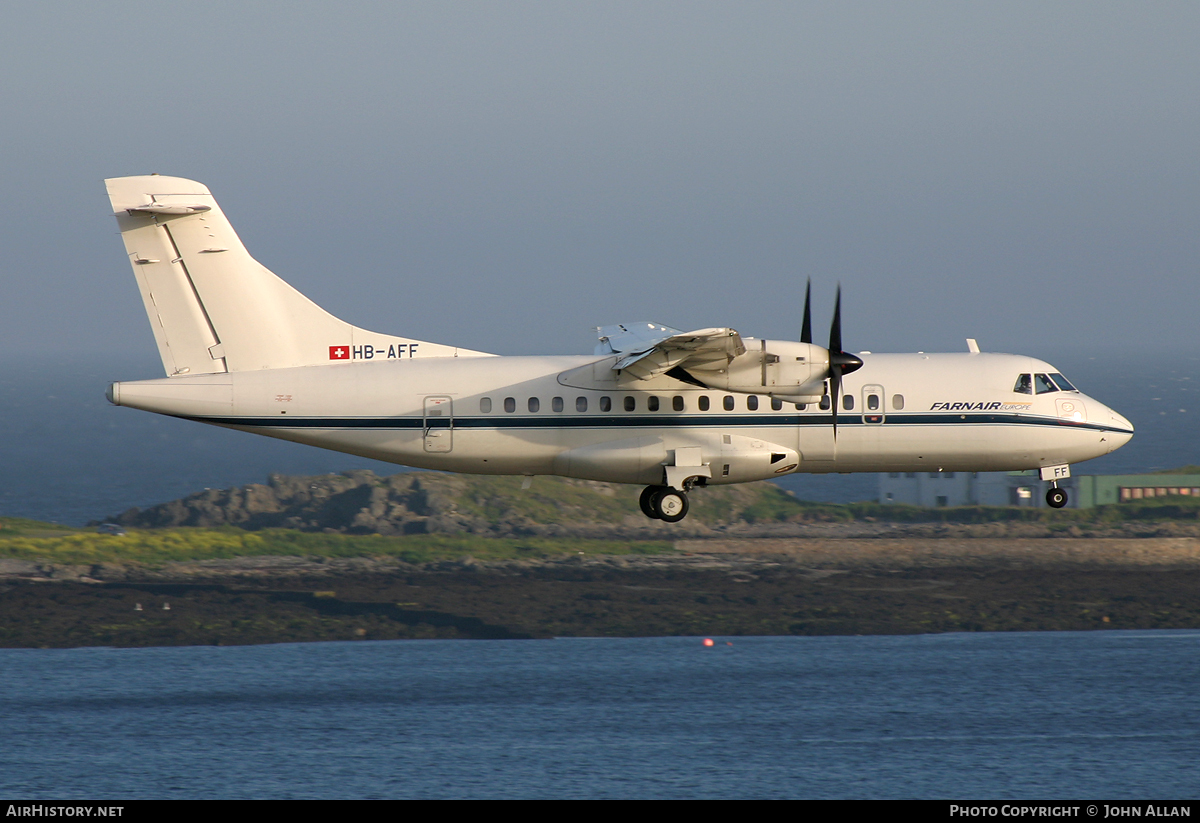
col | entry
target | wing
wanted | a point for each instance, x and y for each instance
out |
(648, 349)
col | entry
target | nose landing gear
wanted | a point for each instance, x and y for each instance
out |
(664, 503)
(1056, 498)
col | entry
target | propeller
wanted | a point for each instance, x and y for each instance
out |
(841, 362)
(806, 329)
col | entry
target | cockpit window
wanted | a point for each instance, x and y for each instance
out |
(1062, 382)
(1043, 384)
(1024, 384)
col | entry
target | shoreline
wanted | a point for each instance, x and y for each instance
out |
(757, 586)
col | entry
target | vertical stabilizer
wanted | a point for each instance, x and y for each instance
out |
(212, 306)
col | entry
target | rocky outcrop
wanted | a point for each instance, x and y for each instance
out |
(355, 502)
(361, 502)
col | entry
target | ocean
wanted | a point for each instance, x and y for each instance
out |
(1085, 716)
(1106, 715)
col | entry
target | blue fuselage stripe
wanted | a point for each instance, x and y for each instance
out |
(617, 420)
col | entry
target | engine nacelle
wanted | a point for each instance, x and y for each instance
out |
(779, 368)
(738, 459)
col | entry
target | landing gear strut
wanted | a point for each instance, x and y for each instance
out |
(1056, 498)
(664, 503)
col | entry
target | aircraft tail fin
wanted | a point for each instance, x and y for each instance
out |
(212, 306)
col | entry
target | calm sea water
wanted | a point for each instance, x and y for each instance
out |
(1051, 715)
(67, 456)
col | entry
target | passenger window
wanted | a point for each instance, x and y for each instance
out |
(630, 403)
(776, 404)
(752, 402)
(1024, 384)
(848, 402)
(873, 402)
(801, 406)
(897, 401)
(1043, 385)
(557, 404)
(824, 404)
(580, 404)
(510, 405)
(605, 403)
(534, 404)
(728, 403)
(703, 402)
(485, 405)
(677, 403)
(652, 403)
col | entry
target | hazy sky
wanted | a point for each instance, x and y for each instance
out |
(506, 176)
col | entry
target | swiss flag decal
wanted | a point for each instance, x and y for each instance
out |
(339, 352)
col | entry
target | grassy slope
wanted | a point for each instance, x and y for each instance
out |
(552, 500)
(155, 547)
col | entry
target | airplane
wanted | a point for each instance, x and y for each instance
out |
(655, 406)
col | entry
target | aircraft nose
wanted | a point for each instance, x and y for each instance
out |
(1121, 422)
(1121, 432)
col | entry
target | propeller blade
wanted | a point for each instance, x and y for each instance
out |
(835, 329)
(841, 363)
(835, 368)
(806, 329)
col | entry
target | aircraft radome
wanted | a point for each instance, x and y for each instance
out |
(667, 409)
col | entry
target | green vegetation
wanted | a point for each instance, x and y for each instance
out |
(1160, 508)
(18, 526)
(510, 512)
(549, 501)
(155, 547)
(559, 501)
(772, 504)
(563, 501)
(1189, 469)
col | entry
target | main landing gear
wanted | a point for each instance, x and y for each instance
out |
(664, 503)
(1056, 498)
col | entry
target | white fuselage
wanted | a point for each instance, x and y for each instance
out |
(577, 417)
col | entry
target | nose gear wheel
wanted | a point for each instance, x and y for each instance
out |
(1056, 498)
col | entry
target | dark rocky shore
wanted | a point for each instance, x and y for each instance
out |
(749, 560)
(723, 588)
